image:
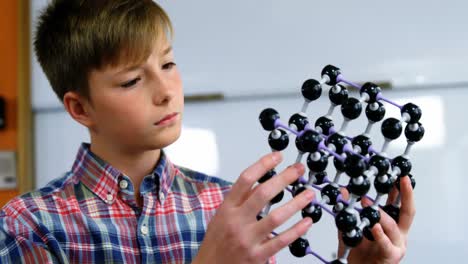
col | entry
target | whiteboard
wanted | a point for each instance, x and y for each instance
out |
(240, 48)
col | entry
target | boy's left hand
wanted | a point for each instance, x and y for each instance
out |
(390, 237)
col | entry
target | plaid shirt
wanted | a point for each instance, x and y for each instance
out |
(90, 216)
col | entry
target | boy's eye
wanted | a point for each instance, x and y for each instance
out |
(130, 83)
(168, 66)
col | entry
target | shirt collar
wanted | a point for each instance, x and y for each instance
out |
(165, 171)
(102, 179)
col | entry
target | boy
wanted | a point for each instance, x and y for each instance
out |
(111, 64)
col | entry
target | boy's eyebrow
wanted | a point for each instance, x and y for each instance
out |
(136, 66)
(129, 68)
(167, 50)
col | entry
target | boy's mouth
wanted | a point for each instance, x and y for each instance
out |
(167, 119)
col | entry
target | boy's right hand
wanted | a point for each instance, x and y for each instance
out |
(235, 236)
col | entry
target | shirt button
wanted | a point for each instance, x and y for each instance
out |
(109, 198)
(161, 197)
(123, 184)
(144, 230)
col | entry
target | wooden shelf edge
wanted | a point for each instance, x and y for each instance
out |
(25, 175)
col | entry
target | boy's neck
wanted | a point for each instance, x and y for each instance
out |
(134, 165)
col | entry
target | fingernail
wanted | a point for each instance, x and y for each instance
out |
(298, 167)
(307, 221)
(309, 194)
(379, 228)
(276, 156)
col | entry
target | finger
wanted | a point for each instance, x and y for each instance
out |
(408, 208)
(390, 228)
(251, 175)
(382, 240)
(365, 201)
(269, 189)
(247, 194)
(282, 240)
(280, 215)
(344, 193)
(392, 195)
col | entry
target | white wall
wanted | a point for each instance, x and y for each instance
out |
(270, 46)
(232, 47)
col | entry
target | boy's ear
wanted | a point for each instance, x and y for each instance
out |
(79, 108)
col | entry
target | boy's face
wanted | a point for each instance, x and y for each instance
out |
(137, 107)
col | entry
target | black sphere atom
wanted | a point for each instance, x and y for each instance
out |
(317, 161)
(311, 89)
(295, 183)
(339, 165)
(392, 211)
(332, 72)
(309, 141)
(337, 261)
(297, 190)
(416, 135)
(368, 234)
(338, 141)
(363, 142)
(332, 192)
(413, 111)
(338, 207)
(413, 181)
(325, 124)
(313, 211)
(372, 90)
(383, 187)
(353, 240)
(299, 247)
(351, 108)
(354, 165)
(359, 189)
(338, 97)
(278, 139)
(267, 176)
(381, 163)
(277, 198)
(404, 164)
(372, 214)
(345, 221)
(375, 114)
(267, 118)
(299, 120)
(391, 128)
(259, 217)
(320, 177)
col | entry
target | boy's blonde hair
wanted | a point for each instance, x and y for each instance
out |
(74, 37)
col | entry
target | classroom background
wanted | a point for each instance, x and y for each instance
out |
(239, 57)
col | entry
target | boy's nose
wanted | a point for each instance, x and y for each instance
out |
(162, 93)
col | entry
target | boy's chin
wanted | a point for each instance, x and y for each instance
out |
(165, 140)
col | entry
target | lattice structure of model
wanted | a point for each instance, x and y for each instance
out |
(354, 156)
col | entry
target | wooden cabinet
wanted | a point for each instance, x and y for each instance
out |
(14, 88)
